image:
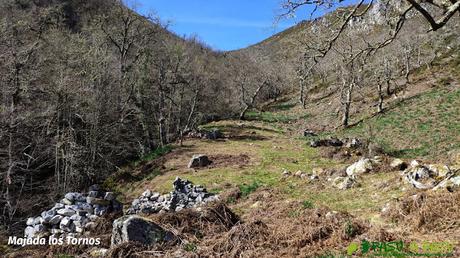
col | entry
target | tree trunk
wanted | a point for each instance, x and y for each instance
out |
(380, 104)
(347, 105)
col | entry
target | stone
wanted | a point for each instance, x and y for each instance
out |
(147, 194)
(38, 220)
(55, 220)
(39, 228)
(29, 232)
(93, 217)
(317, 171)
(359, 167)
(398, 164)
(214, 134)
(97, 201)
(286, 173)
(58, 206)
(66, 212)
(100, 210)
(86, 207)
(98, 252)
(65, 222)
(334, 142)
(298, 173)
(66, 201)
(96, 188)
(74, 197)
(420, 177)
(79, 229)
(309, 133)
(199, 160)
(344, 183)
(354, 143)
(56, 231)
(415, 163)
(136, 229)
(314, 177)
(331, 214)
(154, 196)
(92, 194)
(109, 196)
(30, 221)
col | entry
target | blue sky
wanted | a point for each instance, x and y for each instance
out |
(221, 24)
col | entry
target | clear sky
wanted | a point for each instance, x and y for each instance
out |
(221, 24)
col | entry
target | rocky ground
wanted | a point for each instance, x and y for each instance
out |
(274, 195)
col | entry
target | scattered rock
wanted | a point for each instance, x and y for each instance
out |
(360, 167)
(398, 164)
(212, 134)
(344, 183)
(286, 173)
(353, 143)
(309, 133)
(140, 230)
(198, 161)
(326, 142)
(185, 195)
(420, 176)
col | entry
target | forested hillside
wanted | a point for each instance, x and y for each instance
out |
(336, 133)
(88, 86)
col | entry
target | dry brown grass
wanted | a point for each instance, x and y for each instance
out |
(428, 212)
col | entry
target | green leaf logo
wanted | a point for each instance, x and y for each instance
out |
(352, 248)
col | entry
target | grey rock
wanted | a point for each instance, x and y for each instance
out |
(92, 194)
(65, 222)
(56, 219)
(97, 201)
(109, 196)
(137, 229)
(214, 134)
(309, 133)
(58, 206)
(93, 218)
(39, 228)
(73, 197)
(398, 164)
(344, 183)
(147, 194)
(30, 221)
(66, 212)
(29, 232)
(66, 201)
(199, 160)
(56, 231)
(96, 188)
(360, 167)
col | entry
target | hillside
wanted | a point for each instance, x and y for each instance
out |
(89, 86)
(113, 128)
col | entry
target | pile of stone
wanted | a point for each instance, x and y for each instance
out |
(74, 214)
(432, 176)
(353, 171)
(212, 134)
(185, 195)
(334, 142)
(300, 174)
